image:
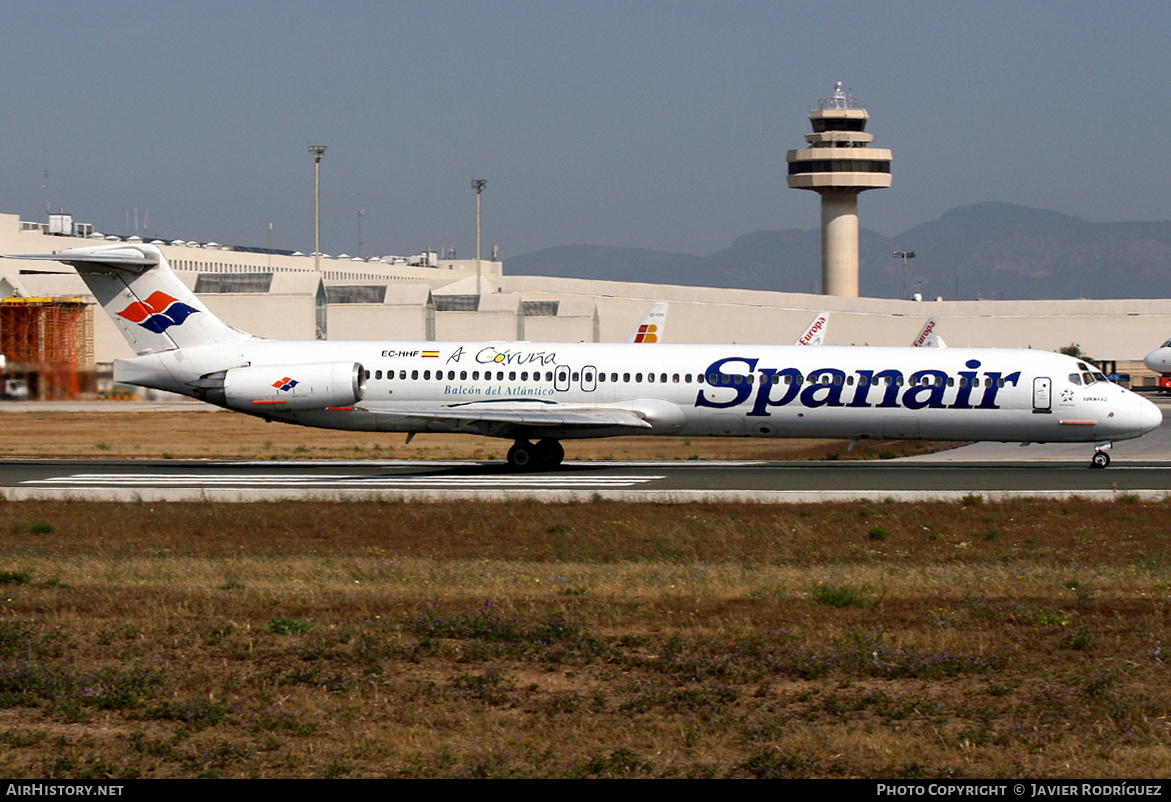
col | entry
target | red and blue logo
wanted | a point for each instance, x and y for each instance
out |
(286, 384)
(158, 312)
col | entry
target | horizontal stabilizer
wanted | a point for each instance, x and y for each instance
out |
(144, 299)
(113, 256)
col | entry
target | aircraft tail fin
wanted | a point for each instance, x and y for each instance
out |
(650, 328)
(144, 298)
(815, 333)
(927, 336)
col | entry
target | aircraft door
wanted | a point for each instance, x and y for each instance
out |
(561, 379)
(1042, 395)
(589, 378)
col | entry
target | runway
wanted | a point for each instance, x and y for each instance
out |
(1140, 468)
(579, 481)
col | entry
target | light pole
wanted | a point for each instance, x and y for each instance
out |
(478, 184)
(317, 151)
(904, 255)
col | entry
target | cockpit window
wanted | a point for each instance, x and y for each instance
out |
(1075, 378)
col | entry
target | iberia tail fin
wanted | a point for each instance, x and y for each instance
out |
(144, 298)
(650, 328)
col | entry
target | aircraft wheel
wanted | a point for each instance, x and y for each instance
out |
(1100, 459)
(549, 454)
(520, 456)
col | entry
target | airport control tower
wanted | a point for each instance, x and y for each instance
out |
(838, 164)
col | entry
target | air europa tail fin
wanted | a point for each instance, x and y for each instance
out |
(148, 303)
(815, 333)
(927, 336)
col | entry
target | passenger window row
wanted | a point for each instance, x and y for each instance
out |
(524, 376)
(718, 379)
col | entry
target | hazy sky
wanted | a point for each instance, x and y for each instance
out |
(651, 124)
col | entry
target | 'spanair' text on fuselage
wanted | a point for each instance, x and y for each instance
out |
(728, 387)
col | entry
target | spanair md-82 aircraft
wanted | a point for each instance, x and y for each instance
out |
(538, 395)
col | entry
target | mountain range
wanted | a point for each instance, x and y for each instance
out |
(986, 250)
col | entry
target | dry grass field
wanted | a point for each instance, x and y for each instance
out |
(965, 640)
(396, 639)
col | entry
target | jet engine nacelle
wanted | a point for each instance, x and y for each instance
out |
(312, 386)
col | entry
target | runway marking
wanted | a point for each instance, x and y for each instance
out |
(338, 480)
(568, 465)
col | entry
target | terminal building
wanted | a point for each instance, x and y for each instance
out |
(55, 339)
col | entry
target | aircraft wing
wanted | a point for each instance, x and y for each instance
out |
(520, 416)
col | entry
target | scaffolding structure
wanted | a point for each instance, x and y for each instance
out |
(49, 343)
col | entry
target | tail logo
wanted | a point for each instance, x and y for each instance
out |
(158, 312)
(647, 333)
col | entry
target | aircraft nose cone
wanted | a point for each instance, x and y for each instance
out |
(1150, 416)
(1159, 360)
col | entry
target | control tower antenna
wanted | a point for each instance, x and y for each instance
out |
(838, 164)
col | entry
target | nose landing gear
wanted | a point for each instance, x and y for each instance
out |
(1101, 458)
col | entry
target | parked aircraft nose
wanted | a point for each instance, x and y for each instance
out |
(1159, 360)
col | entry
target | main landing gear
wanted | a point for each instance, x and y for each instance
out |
(545, 455)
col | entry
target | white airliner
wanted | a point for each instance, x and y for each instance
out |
(551, 392)
(1159, 360)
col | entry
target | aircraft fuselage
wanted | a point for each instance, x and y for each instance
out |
(727, 390)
